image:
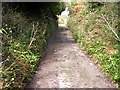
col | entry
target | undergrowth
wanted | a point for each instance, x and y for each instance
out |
(95, 28)
(23, 42)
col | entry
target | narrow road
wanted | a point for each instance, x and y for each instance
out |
(66, 66)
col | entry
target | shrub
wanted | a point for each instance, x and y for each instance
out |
(26, 28)
(95, 28)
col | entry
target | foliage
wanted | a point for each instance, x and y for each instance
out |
(90, 28)
(24, 35)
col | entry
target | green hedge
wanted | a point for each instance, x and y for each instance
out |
(25, 33)
(90, 28)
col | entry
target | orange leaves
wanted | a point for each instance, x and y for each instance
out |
(77, 8)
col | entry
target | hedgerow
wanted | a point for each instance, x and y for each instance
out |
(26, 28)
(95, 28)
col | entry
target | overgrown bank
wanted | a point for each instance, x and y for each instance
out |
(26, 28)
(95, 27)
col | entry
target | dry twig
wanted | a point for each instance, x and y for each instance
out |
(35, 31)
(108, 25)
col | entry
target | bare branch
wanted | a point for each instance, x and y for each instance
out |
(108, 25)
(35, 31)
